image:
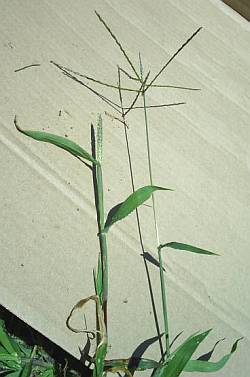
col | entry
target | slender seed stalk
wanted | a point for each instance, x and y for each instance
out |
(101, 220)
(163, 288)
(173, 57)
(124, 115)
(118, 44)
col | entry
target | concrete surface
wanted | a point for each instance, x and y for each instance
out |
(48, 230)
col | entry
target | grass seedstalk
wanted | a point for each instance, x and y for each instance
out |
(101, 219)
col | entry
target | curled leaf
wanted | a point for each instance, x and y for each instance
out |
(79, 305)
(209, 366)
(208, 355)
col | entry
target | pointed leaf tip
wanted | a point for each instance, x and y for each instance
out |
(186, 247)
(177, 361)
(61, 142)
(123, 209)
(210, 366)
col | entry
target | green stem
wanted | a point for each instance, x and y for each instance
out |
(33, 352)
(164, 301)
(163, 289)
(101, 221)
(104, 255)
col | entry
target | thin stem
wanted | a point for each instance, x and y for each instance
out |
(105, 282)
(138, 217)
(98, 182)
(103, 244)
(150, 166)
(164, 302)
(136, 97)
(163, 290)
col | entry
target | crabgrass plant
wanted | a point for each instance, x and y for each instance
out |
(170, 363)
(16, 359)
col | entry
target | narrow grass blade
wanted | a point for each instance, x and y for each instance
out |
(123, 209)
(14, 374)
(177, 361)
(6, 358)
(175, 338)
(27, 369)
(10, 362)
(7, 342)
(207, 356)
(47, 373)
(208, 366)
(186, 247)
(59, 141)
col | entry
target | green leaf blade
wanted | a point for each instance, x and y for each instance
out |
(136, 199)
(177, 361)
(26, 371)
(14, 374)
(186, 247)
(6, 341)
(49, 372)
(8, 361)
(209, 366)
(61, 142)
